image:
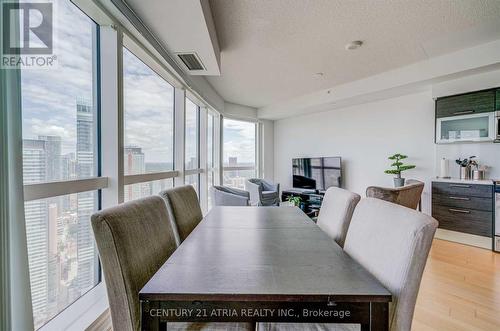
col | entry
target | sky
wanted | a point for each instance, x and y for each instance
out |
(49, 97)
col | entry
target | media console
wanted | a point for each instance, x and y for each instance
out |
(311, 200)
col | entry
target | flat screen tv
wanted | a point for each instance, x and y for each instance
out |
(317, 173)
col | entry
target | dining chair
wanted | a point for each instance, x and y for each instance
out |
(336, 212)
(409, 195)
(262, 192)
(134, 240)
(183, 209)
(229, 196)
(392, 242)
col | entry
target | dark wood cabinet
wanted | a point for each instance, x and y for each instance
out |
(463, 207)
(497, 99)
(466, 104)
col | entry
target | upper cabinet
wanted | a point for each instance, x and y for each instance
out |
(465, 104)
(468, 117)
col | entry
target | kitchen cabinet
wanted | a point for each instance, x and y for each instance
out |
(463, 207)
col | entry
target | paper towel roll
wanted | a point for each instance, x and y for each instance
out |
(445, 168)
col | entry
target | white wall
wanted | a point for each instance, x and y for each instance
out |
(364, 136)
(267, 145)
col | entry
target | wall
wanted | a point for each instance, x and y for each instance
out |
(363, 135)
(267, 145)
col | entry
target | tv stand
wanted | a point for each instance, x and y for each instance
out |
(311, 200)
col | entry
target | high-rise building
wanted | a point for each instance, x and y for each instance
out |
(134, 164)
(35, 213)
(86, 201)
(53, 157)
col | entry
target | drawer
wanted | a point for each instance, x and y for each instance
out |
(466, 202)
(464, 220)
(463, 104)
(460, 189)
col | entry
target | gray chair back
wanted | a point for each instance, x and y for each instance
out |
(183, 209)
(407, 196)
(262, 192)
(134, 239)
(228, 196)
(392, 242)
(336, 212)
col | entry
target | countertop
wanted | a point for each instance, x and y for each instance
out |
(464, 181)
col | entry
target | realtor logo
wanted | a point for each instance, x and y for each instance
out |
(27, 35)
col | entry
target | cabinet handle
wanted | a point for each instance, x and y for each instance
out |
(463, 112)
(461, 186)
(463, 211)
(459, 198)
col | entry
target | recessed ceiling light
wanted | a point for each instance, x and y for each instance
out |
(353, 45)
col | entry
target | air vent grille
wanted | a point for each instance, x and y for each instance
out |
(191, 61)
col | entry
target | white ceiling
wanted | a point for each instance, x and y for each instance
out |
(182, 26)
(271, 49)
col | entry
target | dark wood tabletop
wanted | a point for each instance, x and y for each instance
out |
(244, 255)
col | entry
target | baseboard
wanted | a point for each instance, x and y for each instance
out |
(464, 238)
(102, 323)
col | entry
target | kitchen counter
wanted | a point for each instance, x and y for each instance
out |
(464, 181)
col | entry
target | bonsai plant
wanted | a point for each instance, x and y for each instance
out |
(399, 168)
(295, 201)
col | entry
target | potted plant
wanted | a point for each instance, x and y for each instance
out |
(294, 201)
(399, 168)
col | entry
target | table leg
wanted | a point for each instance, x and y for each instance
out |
(379, 317)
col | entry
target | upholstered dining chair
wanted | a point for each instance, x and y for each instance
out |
(409, 195)
(134, 240)
(183, 209)
(336, 212)
(263, 193)
(228, 196)
(392, 242)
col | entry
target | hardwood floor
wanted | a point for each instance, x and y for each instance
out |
(460, 289)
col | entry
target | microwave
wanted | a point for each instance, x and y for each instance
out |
(482, 127)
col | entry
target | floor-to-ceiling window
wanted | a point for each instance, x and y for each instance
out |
(191, 143)
(60, 144)
(70, 139)
(148, 128)
(239, 152)
(211, 151)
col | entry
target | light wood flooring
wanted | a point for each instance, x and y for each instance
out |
(460, 289)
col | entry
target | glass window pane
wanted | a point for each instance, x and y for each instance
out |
(193, 180)
(210, 183)
(236, 178)
(61, 252)
(59, 143)
(149, 118)
(239, 143)
(142, 190)
(192, 134)
(59, 135)
(210, 140)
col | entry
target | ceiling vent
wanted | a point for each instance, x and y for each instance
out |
(191, 61)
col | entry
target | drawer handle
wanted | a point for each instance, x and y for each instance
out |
(463, 112)
(463, 211)
(461, 186)
(459, 198)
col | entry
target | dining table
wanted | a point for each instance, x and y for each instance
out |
(262, 264)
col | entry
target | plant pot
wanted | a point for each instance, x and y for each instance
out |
(398, 182)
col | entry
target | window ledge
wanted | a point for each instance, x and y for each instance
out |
(82, 313)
